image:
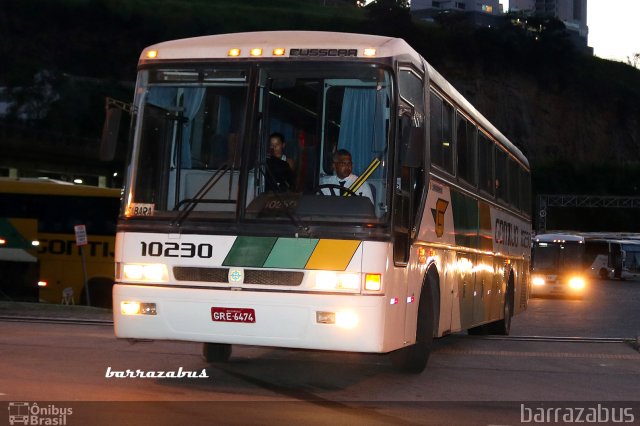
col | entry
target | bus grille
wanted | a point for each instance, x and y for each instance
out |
(251, 276)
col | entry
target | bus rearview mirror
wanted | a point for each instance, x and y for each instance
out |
(109, 140)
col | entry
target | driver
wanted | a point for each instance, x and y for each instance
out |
(342, 166)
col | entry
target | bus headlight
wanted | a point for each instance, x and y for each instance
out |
(327, 280)
(576, 283)
(154, 272)
(537, 281)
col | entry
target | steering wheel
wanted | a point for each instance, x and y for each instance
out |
(331, 186)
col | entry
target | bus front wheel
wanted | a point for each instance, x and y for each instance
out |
(413, 359)
(216, 352)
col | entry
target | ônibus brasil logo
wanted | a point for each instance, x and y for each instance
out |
(30, 413)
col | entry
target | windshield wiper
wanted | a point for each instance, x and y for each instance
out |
(191, 203)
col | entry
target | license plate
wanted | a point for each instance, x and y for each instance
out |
(233, 314)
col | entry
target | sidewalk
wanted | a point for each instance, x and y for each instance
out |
(54, 311)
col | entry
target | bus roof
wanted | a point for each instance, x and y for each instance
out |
(37, 186)
(217, 46)
(551, 238)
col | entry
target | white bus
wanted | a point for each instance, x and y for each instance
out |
(558, 265)
(205, 253)
(613, 257)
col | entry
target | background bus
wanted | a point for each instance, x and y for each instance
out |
(613, 257)
(56, 207)
(558, 265)
(205, 252)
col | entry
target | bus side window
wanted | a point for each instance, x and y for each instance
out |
(485, 163)
(447, 137)
(514, 185)
(466, 149)
(525, 191)
(501, 175)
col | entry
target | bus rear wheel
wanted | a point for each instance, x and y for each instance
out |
(503, 327)
(216, 352)
(413, 359)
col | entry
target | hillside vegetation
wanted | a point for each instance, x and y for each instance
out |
(576, 117)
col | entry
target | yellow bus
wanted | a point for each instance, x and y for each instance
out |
(206, 252)
(57, 207)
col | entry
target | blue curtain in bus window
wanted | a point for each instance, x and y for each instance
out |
(167, 97)
(362, 126)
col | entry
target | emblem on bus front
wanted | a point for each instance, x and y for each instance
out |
(236, 276)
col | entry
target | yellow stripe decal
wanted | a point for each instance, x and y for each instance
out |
(332, 255)
(364, 176)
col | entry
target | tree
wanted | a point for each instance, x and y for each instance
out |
(634, 60)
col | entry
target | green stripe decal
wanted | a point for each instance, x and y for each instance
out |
(466, 219)
(291, 253)
(249, 251)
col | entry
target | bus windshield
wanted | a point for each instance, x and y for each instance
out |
(204, 145)
(557, 256)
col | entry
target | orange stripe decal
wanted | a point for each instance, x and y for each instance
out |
(332, 255)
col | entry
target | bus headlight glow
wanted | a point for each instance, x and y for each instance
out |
(327, 280)
(537, 281)
(152, 54)
(137, 308)
(155, 272)
(576, 283)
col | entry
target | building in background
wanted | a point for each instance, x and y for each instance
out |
(484, 13)
(487, 13)
(492, 7)
(573, 13)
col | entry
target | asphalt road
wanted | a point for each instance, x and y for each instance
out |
(469, 380)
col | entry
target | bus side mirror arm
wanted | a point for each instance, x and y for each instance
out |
(111, 128)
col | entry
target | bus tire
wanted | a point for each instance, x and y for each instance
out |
(216, 352)
(413, 359)
(503, 327)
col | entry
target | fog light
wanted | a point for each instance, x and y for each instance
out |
(325, 317)
(137, 308)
